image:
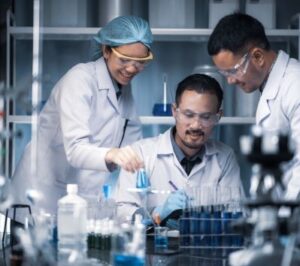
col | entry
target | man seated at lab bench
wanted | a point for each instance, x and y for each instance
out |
(184, 156)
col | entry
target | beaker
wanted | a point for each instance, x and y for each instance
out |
(128, 244)
(163, 108)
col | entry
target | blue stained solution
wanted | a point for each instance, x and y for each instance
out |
(237, 240)
(142, 179)
(161, 241)
(126, 260)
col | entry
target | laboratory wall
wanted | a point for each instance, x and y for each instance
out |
(176, 56)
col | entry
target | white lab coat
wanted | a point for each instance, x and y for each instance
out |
(218, 168)
(279, 109)
(79, 123)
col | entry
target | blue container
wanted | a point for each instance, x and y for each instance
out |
(142, 180)
(125, 260)
(161, 242)
(160, 109)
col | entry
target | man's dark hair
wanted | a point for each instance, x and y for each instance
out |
(235, 32)
(199, 83)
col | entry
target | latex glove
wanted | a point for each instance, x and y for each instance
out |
(176, 200)
(125, 157)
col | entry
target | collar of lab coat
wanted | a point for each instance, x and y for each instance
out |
(165, 146)
(272, 86)
(105, 82)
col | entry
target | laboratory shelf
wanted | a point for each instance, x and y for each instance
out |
(146, 120)
(19, 33)
(85, 33)
(169, 120)
(19, 119)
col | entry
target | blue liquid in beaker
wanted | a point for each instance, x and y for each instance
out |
(125, 260)
(161, 242)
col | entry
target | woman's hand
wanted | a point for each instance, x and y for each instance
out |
(125, 157)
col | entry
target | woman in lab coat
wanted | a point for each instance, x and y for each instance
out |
(88, 120)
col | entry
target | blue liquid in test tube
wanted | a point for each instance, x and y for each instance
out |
(237, 239)
(195, 231)
(205, 226)
(193, 223)
(199, 212)
(161, 242)
(226, 230)
(216, 226)
(184, 229)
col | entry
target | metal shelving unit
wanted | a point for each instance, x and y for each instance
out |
(85, 33)
(82, 33)
(147, 120)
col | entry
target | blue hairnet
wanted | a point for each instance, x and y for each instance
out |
(123, 30)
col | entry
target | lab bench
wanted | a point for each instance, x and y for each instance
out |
(173, 256)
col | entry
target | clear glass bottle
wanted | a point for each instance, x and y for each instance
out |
(72, 223)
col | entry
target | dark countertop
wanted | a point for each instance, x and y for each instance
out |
(172, 256)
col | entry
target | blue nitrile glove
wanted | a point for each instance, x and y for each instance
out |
(147, 222)
(147, 219)
(172, 224)
(176, 200)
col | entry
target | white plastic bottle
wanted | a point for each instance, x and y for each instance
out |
(72, 223)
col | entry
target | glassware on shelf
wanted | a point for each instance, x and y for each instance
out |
(164, 108)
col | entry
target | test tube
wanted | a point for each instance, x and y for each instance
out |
(216, 226)
(205, 226)
(98, 235)
(236, 213)
(91, 234)
(226, 231)
(237, 239)
(184, 228)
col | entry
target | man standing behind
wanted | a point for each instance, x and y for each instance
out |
(183, 156)
(242, 53)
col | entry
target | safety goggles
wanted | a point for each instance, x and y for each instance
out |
(205, 119)
(239, 69)
(137, 62)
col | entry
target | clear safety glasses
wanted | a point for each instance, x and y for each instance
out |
(205, 119)
(239, 69)
(137, 62)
